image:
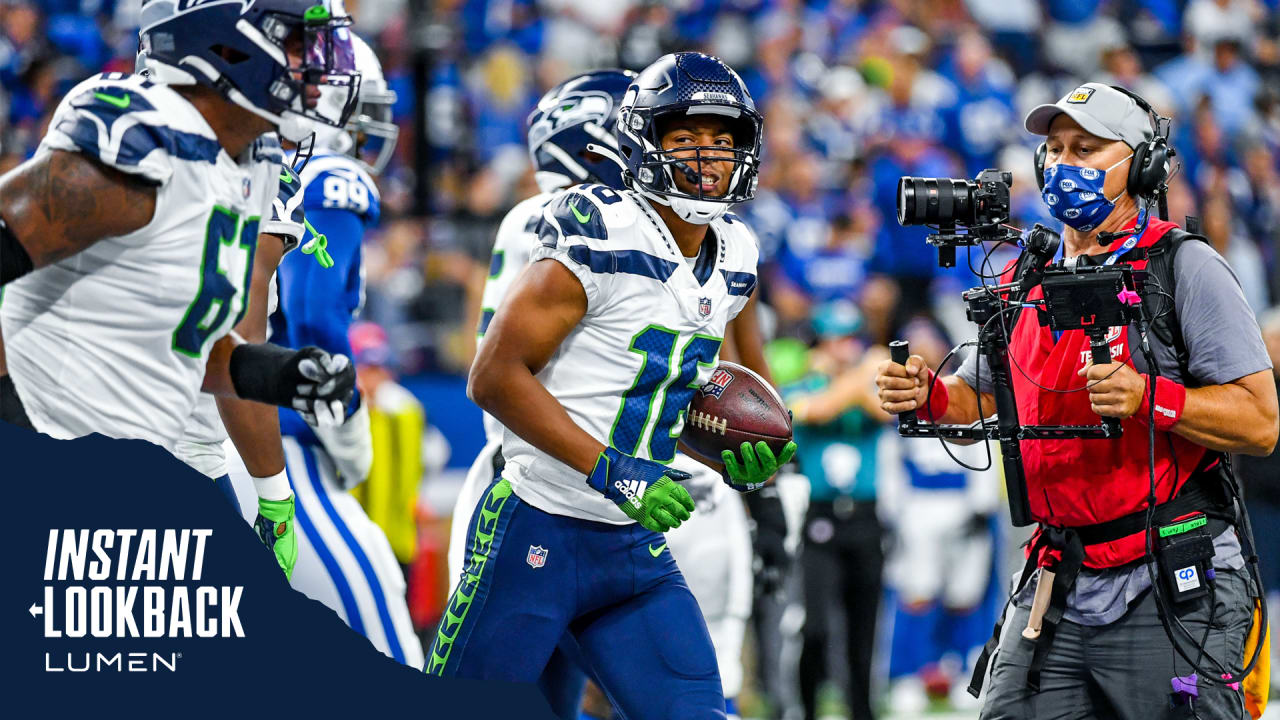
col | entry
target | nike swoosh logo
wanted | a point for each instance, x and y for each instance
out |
(285, 178)
(658, 551)
(581, 218)
(120, 102)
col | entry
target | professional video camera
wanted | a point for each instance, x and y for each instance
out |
(1093, 299)
(980, 206)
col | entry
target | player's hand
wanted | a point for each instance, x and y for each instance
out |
(902, 387)
(756, 466)
(324, 386)
(645, 490)
(275, 526)
(1115, 389)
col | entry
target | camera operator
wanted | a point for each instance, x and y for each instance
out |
(1103, 650)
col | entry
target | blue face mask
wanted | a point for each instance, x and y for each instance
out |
(1074, 194)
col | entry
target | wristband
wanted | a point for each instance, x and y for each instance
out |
(275, 487)
(1171, 397)
(937, 405)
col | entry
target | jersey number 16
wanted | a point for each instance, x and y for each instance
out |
(661, 371)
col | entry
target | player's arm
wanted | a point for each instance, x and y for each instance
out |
(313, 382)
(59, 203)
(543, 307)
(546, 303)
(747, 340)
(255, 427)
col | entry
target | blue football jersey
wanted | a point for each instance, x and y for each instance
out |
(317, 305)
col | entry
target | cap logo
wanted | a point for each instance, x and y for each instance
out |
(1080, 95)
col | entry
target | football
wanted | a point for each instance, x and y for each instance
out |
(734, 407)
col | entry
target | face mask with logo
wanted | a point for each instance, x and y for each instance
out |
(1074, 194)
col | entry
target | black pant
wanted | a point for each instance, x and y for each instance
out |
(842, 561)
(11, 410)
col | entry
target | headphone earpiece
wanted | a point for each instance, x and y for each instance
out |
(1149, 168)
(1041, 152)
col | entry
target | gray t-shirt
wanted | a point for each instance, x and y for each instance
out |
(1224, 344)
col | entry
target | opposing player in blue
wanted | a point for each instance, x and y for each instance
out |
(589, 365)
(344, 559)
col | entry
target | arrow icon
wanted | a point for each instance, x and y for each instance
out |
(35, 610)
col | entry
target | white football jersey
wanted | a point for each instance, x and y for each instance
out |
(650, 337)
(114, 339)
(202, 445)
(512, 250)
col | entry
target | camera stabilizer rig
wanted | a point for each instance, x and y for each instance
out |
(1093, 299)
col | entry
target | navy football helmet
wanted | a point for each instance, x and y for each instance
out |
(571, 116)
(241, 48)
(688, 83)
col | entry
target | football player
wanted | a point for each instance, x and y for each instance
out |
(568, 539)
(344, 559)
(112, 321)
(571, 142)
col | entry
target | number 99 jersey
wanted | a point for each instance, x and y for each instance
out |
(114, 339)
(651, 335)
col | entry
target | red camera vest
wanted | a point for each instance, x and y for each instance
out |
(1083, 482)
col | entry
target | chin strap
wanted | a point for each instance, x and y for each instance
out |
(607, 152)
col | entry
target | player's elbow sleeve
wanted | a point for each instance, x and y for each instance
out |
(14, 260)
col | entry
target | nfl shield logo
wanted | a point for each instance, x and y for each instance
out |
(720, 380)
(704, 306)
(537, 556)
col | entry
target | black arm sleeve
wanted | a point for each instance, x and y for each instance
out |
(265, 373)
(14, 260)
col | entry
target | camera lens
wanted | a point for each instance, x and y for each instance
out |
(936, 201)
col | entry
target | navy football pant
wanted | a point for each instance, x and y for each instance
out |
(533, 576)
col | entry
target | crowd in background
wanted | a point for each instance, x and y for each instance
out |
(854, 93)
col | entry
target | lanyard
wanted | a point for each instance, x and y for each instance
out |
(1139, 228)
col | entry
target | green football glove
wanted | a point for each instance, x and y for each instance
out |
(645, 490)
(275, 526)
(757, 466)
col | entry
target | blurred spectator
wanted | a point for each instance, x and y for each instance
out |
(837, 426)
(942, 517)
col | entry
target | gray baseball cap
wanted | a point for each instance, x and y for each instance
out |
(1099, 109)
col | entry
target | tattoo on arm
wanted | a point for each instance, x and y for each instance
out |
(60, 203)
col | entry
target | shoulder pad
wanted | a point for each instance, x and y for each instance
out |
(591, 211)
(336, 182)
(131, 124)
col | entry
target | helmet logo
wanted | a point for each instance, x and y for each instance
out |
(636, 122)
(646, 175)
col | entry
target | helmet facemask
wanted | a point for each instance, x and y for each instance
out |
(658, 168)
(328, 64)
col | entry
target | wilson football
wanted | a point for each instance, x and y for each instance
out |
(734, 407)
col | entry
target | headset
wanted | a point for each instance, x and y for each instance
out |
(1151, 159)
